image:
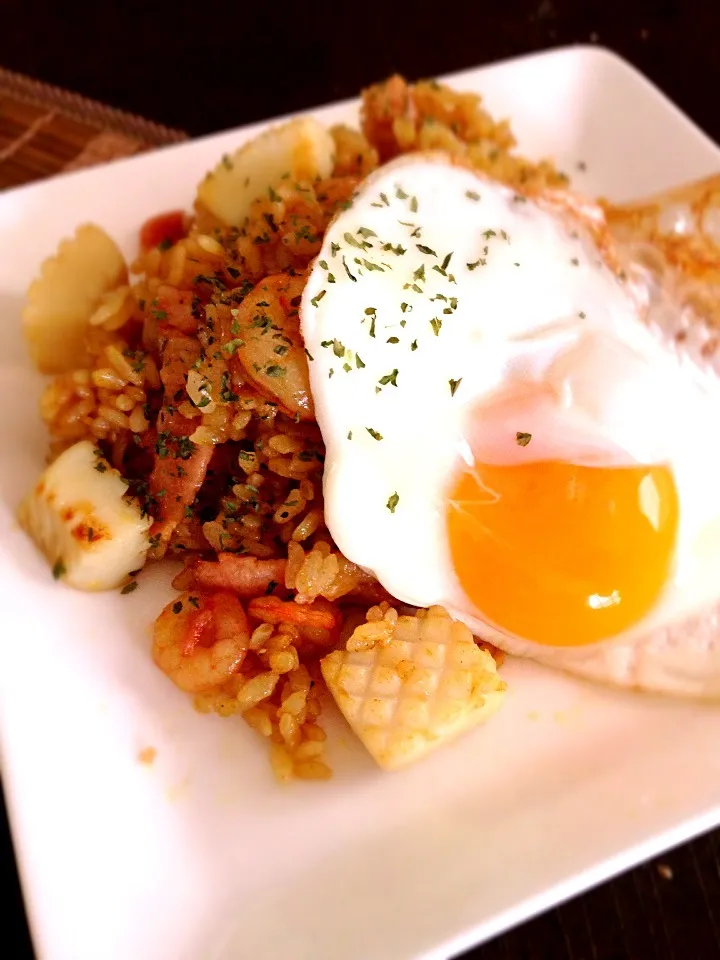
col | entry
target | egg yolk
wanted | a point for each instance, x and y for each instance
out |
(561, 554)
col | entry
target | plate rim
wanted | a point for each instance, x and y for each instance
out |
(597, 51)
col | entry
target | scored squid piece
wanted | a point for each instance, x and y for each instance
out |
(408, 685)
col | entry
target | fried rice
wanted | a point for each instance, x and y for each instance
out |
(232, 477)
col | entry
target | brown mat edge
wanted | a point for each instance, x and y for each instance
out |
(84, 109)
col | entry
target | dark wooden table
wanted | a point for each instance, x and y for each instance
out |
(203, 67)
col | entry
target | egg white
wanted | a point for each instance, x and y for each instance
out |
(436, 290)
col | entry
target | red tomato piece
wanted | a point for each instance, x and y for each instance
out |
(166, 228)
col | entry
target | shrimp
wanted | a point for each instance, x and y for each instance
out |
(268, 348)
(318, 615)
(200, 640)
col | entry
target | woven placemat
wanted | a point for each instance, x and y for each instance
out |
(45, 130)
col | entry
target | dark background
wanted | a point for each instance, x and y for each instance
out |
(207, 66)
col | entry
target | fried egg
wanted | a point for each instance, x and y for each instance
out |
(506, 437)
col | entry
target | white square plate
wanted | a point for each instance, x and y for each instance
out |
(202, 855)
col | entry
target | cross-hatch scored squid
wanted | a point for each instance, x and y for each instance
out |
(200, 640)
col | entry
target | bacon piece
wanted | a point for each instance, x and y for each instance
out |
(248, 577)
